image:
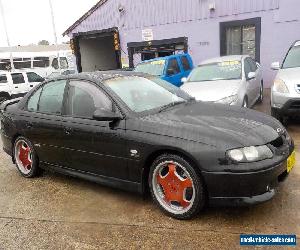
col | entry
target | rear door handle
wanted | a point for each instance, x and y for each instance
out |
(68, 131)
(16, 87)
(29, 125)
(31, 86)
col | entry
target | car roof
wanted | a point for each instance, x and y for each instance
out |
(164, 58)
(11, 72)
(100, 76)
(223, 59)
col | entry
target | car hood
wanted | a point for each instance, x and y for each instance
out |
(214, 124)
(211, 90)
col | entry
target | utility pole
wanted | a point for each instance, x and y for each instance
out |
(54, 33)
(6, 33)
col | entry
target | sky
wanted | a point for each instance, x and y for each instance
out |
(29, 21)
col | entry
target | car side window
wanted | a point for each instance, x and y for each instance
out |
(253, 65)
(3, 79)
(185, 63)
(17, 78)
(84, 99)
(33, 101)
(173, 67)
(51, 98)
(33, 77)
(247, 67)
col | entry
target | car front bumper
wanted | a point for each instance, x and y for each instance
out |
(285, 104)
(244, 188)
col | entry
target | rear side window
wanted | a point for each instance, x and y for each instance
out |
(32, 104)
(173, 67)
(3, 79)
(33, 77)
(185, 63)
(51, 98)
(17, 78)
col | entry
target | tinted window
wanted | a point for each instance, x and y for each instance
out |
(185, 63)
(18, 78)
(41, 62)
(85, 98)
(51, 98)
(252, 63)
(33, 77)
(32, 104)
(3, 79)
(247, 67)
(173, 67)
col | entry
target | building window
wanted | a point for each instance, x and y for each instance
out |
(241, 37)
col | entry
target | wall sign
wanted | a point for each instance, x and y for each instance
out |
(147, 35)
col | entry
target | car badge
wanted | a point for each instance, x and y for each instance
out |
(279, 130)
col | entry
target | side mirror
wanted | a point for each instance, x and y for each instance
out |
(184, 79)
(170, 72)
(251, 75)
(275, 66)
(105, 115)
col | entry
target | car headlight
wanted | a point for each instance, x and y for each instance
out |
(228, 100)
(250, 154)
(280, 86)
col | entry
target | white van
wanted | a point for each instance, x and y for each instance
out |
(16, 84)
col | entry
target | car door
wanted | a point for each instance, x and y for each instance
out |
(20, 86)
(173, 72)
(93, 146)
(33, 79)
(41, 121)
(250, 83)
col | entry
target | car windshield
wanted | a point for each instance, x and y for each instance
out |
(154, 68)
(226, 70)
(142, 94)
(292, 59)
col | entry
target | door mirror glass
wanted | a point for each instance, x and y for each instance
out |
(184, 79)
(105, 115)
(251, 75)
(275, 66)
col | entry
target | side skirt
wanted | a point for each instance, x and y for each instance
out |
(104, 180)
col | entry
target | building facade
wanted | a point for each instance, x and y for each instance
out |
(128, 31)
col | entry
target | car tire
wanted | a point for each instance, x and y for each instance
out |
(176, 187)
(25, 158)
(261, 93)
(245, 103)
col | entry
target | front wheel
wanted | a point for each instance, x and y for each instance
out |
(25, 158)
(176, 187)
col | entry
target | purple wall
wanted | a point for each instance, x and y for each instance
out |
(193, 19)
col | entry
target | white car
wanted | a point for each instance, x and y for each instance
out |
(16, 84)
(285, 93)
(233, 80)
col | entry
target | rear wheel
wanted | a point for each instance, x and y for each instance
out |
(176, 187)
(25, 158)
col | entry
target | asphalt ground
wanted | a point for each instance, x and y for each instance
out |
(60, 212)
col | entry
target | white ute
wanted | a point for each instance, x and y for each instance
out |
(16, 84)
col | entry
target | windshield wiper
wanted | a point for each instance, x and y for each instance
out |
(172, 104)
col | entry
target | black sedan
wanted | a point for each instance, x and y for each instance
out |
(139, 133)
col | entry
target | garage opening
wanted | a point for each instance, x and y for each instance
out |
(141, 51)
(97, 50)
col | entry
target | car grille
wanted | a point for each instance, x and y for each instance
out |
(298, 88)
(278, 142)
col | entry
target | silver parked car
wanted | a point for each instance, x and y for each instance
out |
(234, 80)
(285, 93)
